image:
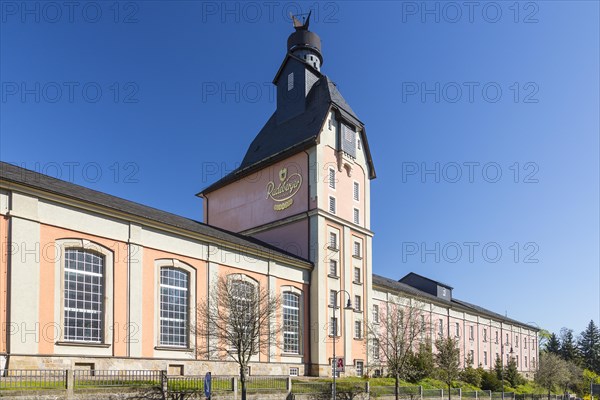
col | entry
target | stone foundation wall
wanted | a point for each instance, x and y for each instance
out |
(190, 367)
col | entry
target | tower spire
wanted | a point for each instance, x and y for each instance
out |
(304, 44)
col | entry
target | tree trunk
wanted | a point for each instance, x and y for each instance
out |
(243, 381)
(397, 386)
(449, 395)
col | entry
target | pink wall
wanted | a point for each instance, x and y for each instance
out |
(4, 248)
(245, 204)
(292, 238)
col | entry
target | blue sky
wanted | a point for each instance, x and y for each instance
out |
(483, 123)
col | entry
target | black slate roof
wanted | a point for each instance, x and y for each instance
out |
(382, 281)
(407, 276)
(12, 173)
(278, 141)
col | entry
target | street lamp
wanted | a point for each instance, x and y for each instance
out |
(502, 363)
(334, 363)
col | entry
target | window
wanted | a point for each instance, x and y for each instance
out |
(83, 296)
(356, 216)
(358, 144)
(330, 122)
(357, 330)
(294, 371)
(376, 349)
(356, 275)
(331, 178)
(517, 361)
(441, 327)
(333, 298)
(357, 303)
(525, 361)
(484, 334)
(333, 267)
(485, 358)
(457, 329)
(291, 323)
(332, 240)
(496, 337)
(356, 249)
(525, 343)
(532, 362)
(290, 81)
(333, 325)
(375, 313)
(472, 356)
(332, 204)
(517, 341)
(173, 307)
(507, 338)
(377, 373)
(243, 293)
(471, 332)
(359, 368)
(356, 191)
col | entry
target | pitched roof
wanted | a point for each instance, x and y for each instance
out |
(411, 274)
(388, 283)
(276, 141)
(22, 176)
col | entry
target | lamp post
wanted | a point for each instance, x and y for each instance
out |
(334, 363)
(502, 363)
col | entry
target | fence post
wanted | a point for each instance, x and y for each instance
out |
(235, 387)
(420, 392)
(476, 395)
(368, 389)
(289, 385)
(70, 381)
(442, 395)
(460, 393)
(164, 383)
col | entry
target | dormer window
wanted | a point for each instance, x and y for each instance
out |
(290, 81)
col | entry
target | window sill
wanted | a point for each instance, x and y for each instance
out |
(357, 282)
(292, 355)
(357, 257)
(358, 338)
(333, 248)
(336, 307)
(357, 311)
(83, 344)
(333, 276)
(169, 348)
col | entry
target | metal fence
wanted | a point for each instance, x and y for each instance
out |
(24, 379)
(311, 387)
(433, 393)
(267, 383)
(111, 378)
(405, 392)
(193, 383)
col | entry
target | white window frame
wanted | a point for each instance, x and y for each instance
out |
(334, 329)
(334, 236)
(357, 303)
(485, 360)
(471, 332)
(187, 317)
(290, 81)
(357, 275)
(356, 216)
(173, 351)
(333, 263)
(294, 292)
(357, 249)
(333, 298)
(376, 313)
(62, 347)
(361, 368)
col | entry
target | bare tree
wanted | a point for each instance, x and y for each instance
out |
(237, 321)
(447, 361)
(394, 337)
(552, 373)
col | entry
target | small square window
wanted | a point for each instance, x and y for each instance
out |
(357, 249)
(331, 178)
(332, 204)
(357, 330)
(294, 371)
(333, 240)
(357, 303)
(333, 267)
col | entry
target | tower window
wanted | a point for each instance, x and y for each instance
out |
(356, 249)
(332, 204)
(356, 191)
(332, 240)
(356, 216)
(333, 267)
(290, 81)
(332, 178)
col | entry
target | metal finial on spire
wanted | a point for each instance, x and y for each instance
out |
(298, 25)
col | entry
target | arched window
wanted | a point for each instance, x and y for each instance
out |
(291, 323)
(174, 304)
(83, 296)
